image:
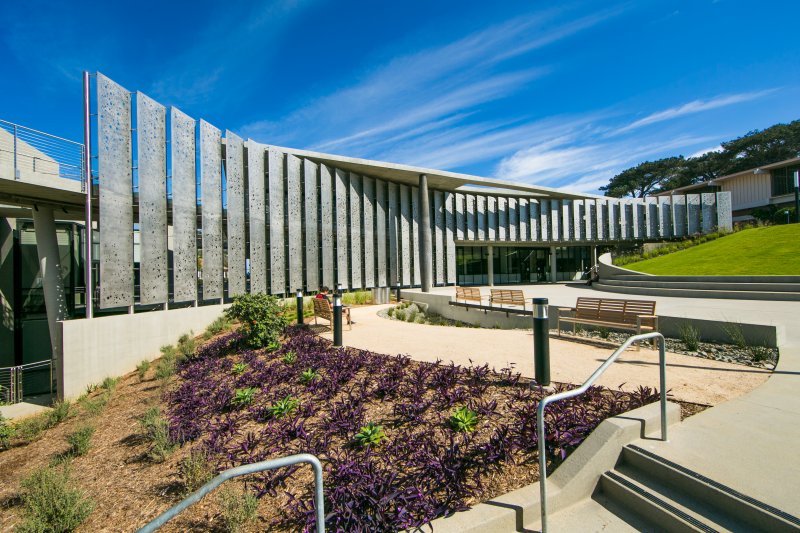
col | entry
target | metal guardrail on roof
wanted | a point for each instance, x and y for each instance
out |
(26, 150)
(14, 380)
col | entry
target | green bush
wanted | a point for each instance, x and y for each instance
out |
(60, 412)
(690, 336)
(780, 215)
(357, 297)
(168, 363)
(7, 432)
(142, 369)
(238, 509)
(245, 396)
(109, 384)
(262, 318)
(195, 470)
(50, 503)
(156, 430)
(463, 419)
(31, 428)
(186, 346)
(220, 325)
(80, 440)
(283, 407)
(759, 353)
(369, 435)
(735, 334)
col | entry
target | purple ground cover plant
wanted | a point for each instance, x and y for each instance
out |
(422, 469)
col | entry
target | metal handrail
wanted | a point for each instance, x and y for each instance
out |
(11, 387)
(662, 356)
(196, 496)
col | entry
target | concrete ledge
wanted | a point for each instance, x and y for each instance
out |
(96, 348)
(743, 294)
(573, 481)
(20, 410)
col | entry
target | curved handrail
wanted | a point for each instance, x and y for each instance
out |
(583, 388)
(196, 496)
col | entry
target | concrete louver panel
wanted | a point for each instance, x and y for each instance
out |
(679, 215)
(405, 234)
(184, 206)
(567, 231)
(472, 221)
(491, 218)
(237, 254)
(394, 234)
(534, 223)
(512, 218)
(342, 229)
(693, 213)
(626, 227)
(461, 219)
(356, 254)
(151, 133)
(369, 231)
(524, 220)
(114, 154)
(450, 236)
(211, 209)
(439, 228)
(577, 220)
(480, 210)
(294, 219)
(651, 205)
(613, 220)
(257, 200)
(277, 218)
(502, 218)
(665, 216)
(381, 218)
(589, 220)
(311, 200)
(555, 220)
(416, 275)
(724, 215)
(601, 224)
(709, 211)
(639, 219)
(544, 220)
(327, 226)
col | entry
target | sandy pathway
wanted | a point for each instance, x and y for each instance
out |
(689, 378)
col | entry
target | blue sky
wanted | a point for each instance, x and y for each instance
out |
(560, 94)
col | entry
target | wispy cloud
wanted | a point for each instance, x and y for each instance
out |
(695, 106)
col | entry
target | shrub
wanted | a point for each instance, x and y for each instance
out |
(244, 396)
(109, 384)
(220, 325)
(783, 215)
(80, 440)
(239, 368)
(690, 336)
(186, 346)
(283, 407)
(759, 353)
(60, 412)
(463, 420)
(166, 366)
(357, 297)
(51, 503)
(195, 470)
(371, 434)
(604, 333)
(96, 405)
(156, 430)
(31, 428)
(7, 432)
(262, 318)
(142, 369)
(238, 509)
(736, 335)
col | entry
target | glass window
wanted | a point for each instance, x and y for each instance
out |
(783, 180)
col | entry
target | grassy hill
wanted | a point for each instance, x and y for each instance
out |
(773, 250)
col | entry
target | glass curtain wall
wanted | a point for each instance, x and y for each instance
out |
(471, 265)
(520, 265)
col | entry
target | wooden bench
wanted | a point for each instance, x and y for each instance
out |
(469, 293)
(508, 297)
(632, 315)
(322, 309)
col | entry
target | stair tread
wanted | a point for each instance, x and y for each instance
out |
(596, 514)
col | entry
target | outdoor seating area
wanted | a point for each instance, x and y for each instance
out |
(322, 309)
(508, 297)
(631, 315)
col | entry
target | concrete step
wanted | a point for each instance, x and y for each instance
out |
(658, 283)
(678, 499)
(723, 279)
(595, 514)
(699, 293)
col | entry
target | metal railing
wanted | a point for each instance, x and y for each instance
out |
(14, 380)
(662, 357)
(319, 502)
(27, 150)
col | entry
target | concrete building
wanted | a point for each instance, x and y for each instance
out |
(771, 184)
(183, 218)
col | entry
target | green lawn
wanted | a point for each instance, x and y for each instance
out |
(773, 250)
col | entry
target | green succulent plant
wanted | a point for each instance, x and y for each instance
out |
(283, 407)
(289, 358)
(244, 396)
(463, 419)
(239, 369)
(309, 376)
(371, 434)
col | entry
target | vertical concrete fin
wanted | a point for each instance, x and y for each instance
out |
(235, 210)
(277, 222)
(327, 226)
(184, 206)
(342, 230)
(294, 217)
(311, 200)
(257, 199)
(356, 251)
(211, 209)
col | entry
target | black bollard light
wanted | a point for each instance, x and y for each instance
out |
(541, 342)
(397, 294)
(299, 307)
(337, 319)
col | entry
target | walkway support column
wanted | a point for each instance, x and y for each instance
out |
(425, 248)
(44, 226)
(490, 265)
(87, 190)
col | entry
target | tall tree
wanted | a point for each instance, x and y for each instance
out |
(757, 148)
(646, 177)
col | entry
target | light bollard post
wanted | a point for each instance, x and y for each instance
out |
(300, 307)
(797, 195)
(541, 342)
(337, 319)
(397, 294)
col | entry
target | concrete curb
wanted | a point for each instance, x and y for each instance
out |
(573, 481)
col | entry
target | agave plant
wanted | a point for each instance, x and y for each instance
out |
(370, 435)
(243, 396)
(309, 376)
(283, 407)
(239, 368)
(463, 419)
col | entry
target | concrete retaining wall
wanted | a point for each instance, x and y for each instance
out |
(96, 348)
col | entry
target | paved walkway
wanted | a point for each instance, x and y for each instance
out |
(748, 441)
